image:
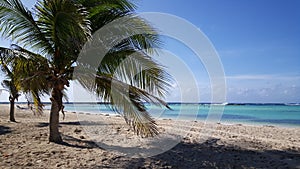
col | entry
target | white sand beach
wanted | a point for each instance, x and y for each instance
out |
(103, 141)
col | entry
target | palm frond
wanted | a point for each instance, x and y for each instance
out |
(142, 36)
(17, 23)
(105, 11)
(126, 100)
(38, 105)
(96, 5)
(32, 72)
(66, 25)
(137, 69)
(127, 76)
(6, 84)
(6, 58)
(6, 65)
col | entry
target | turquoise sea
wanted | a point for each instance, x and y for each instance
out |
(253, 114)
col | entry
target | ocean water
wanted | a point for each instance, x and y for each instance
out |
(253, 114)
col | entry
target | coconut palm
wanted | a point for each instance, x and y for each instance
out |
(50, 38)
(9, 84)
(7, 65)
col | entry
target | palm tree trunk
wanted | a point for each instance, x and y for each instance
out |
(12, 110)
(56, 103)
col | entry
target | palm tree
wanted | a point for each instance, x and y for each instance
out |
(9, 84)
(50, 39)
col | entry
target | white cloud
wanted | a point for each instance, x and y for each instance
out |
(263, 77)
(264, 93)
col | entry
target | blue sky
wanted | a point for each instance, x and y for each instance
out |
(258, 43)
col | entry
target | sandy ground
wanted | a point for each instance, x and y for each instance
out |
(102, 141)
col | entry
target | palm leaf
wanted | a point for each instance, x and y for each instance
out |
(66, 25)
(127, 76)
(137, 69)
(6, 57)
(6, 84)
(6, 64)
(18, 24)
(33, 72)
(124, 103)
(105, 11)
(34, 97)
(125, 98)
(26, 74)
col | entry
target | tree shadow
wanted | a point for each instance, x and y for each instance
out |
(78, 143)
(155, 147)
(44, 124)
(4, 130)
(74, 123)
(211, 154)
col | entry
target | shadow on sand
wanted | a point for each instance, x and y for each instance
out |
(211, 155)
(208, 154)
(4, 130)
(70, 141)
(73, 123)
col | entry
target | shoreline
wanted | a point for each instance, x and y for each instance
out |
(231, 122)
(253, 124)
(24, 144)
(186, 118)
